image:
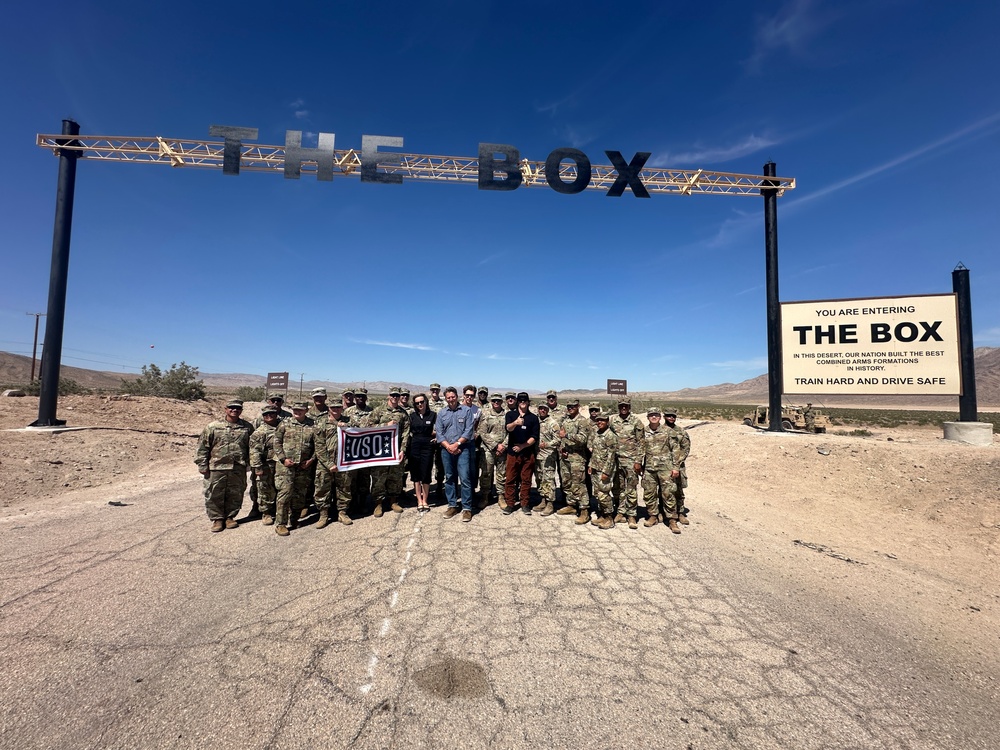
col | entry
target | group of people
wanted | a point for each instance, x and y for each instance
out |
(477, 447)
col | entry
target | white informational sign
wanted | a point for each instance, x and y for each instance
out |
(364, 447)
(888, 345)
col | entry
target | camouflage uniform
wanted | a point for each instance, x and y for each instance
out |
(630, 432)
(282, 414)
(573, 448)
(547, 460)
(224, 452)
(326, 454)
(492, 433)
(262, 460)
(294, 441)
(436, 406)
(658, 462)
(361, 479)
(603, 451)
(322, 481)
(680, 446)
(388, 481)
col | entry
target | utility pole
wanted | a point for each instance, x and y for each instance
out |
(301, 376)
(34, 348)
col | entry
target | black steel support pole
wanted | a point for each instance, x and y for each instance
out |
(34, 349)
(774, 384)
(54, 318)
(967, 402)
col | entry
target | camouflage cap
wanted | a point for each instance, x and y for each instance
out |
(594, 405)
(573, 402)
(404, 391)
(435, 386)
(550, 392)
(669, 411)
(603, 417)
(362, 391)
(510, 394)
(317, 392)
(394, 391)
(234, 404)
(269, 409)
(337, 405)
(300, 406)
(482, 389)
(276, 397)
(653, 410)
(347, 392)
(496, 397)
(543, 405)
(625, 401)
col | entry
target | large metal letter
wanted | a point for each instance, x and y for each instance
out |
(371, 157)
(628, 174)
(295, 154)
(232, 149)
(583, 171)
(489, 165)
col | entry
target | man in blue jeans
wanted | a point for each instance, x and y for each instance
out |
(455, 435)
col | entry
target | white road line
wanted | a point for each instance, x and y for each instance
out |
(393, 600)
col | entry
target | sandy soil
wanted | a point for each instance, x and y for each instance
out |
(914, 519)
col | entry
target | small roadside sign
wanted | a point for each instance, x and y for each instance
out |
(277, 381)
(617, 387)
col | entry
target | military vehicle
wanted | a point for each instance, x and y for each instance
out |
(792, 418)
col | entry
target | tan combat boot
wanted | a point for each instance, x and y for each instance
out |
(583, 517)
(683, 520)
(632, 523)
(672, 525)
(568, 510)
(606, 522)
(396, 507)
(344, 518)
(620, 518)
(231, 523)
(218, 526)
(281, 530)
(651, 521)
(324, 519)
(547, 508)
(378, 510)
(267, 519)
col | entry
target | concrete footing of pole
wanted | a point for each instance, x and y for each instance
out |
(973, 433)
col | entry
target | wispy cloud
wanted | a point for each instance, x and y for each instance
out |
(498, 357)
(490, 258)
(703, 154)
(298, 108)
(395, 344)
(978, 129)
(742, 364)
(792, 30)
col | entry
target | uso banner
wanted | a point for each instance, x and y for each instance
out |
(361, 447)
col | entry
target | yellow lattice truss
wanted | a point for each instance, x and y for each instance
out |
(261, 158)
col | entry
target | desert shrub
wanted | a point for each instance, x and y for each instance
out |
(250, 393)
(180, 382)
(67, 387)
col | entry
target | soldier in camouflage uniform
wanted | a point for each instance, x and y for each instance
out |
(555, 411)
(347, 398)
(318, 403)
(658, 473)
(601, 467)
(680, 446)
(359, 415)
(223, 457)
(435, 403)
(327, 447)
(573, 434)
(327, 424)
(276, 400)
(262, 461)
(491, 436)
(547, 460)
(388, 481)
(404, 399)
(483, 398)
(295, 460)
(629, 430)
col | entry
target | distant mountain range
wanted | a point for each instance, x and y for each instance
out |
(15, 369)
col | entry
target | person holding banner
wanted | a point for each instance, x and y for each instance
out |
(388, 481)
(455, 426)
(327, 448)
(421, 456)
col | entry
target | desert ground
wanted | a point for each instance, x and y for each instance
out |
(893, 535)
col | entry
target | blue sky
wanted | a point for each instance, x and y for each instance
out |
(886, 112)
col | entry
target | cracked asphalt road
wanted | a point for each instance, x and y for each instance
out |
(131, 626)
